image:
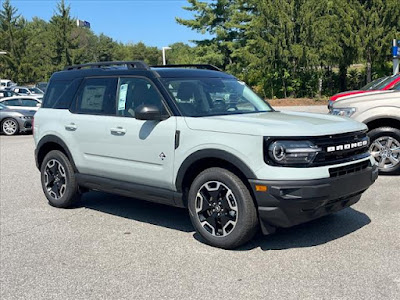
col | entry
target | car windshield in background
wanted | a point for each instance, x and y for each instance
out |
(386, 82)
(36, 90)
(200, 97)
(374, 83)
(396, 87)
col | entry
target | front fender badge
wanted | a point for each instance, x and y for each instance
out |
(162, 156)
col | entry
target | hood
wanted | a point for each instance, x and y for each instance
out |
(276, 124)
(390, 95)
(346, 93)
(366, 93)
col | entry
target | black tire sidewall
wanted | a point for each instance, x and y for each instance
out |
(71, 194)
(10, 119)
(247, 222)
(386, 131)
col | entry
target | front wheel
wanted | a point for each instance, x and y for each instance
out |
(385, 148)
(58, 180)
(10, 126)
(222, 209)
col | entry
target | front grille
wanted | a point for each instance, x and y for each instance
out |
(341, 148)
(335, 149)
(349, 169)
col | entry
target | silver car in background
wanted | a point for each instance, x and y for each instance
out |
(14, 121)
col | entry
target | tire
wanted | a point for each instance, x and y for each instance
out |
(228, 196)
(10, 126)
(58, 180)
(385, 148)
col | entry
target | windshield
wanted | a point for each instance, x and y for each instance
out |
(2, 106)
(373, 83)
(384, 83)
(36, 90)
(200, 97)
(396, 87)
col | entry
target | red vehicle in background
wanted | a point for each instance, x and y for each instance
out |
(380, 84)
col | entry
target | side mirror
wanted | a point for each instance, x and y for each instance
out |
(148, 112)
(38, 104)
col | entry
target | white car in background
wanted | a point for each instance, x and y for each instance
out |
(28, 91)
(6, 83)
(21, 102)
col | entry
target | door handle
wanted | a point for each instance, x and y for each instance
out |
(71, 127)
(118, 131)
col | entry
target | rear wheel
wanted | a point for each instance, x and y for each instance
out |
(222, 209)
(385, 148)
(58, 180)
(10, 126)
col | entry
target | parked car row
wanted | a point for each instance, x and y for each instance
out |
(18, 104)
(9, 89)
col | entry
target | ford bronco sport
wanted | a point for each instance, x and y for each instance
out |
(192, 136)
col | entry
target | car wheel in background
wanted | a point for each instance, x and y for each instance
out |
(58, 180)
(222, 209)
(385, 148)
(10, 126)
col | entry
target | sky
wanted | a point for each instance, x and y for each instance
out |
(128, 21)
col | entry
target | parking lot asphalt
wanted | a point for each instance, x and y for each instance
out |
(111, 247)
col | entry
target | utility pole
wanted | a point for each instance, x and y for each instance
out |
(163, 54)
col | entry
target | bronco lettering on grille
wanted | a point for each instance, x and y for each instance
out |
(346, 146)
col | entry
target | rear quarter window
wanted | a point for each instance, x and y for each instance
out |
(60, 93)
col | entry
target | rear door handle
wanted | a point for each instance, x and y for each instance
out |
(71, 127)
(118, 131)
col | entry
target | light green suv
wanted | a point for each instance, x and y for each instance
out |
(192, 136)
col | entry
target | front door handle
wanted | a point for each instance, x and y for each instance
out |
(71, 127)
(118, 131)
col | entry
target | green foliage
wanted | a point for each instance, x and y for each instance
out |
(281, 48)
(287, 47)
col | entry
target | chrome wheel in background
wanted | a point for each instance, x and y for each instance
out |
(10, 127)
(386, 151)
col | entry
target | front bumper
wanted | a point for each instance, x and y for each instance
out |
(288, 203)
(25, 125)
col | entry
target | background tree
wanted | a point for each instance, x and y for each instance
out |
(61, 39)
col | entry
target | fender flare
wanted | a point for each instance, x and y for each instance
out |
(212, 154)
(55, 140)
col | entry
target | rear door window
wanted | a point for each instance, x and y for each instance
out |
(97, 96)
(13, 102)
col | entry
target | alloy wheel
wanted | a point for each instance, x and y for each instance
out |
(386, 151)
(10, 127)
(55, 179)
(216, 208)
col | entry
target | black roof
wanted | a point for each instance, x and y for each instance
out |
(139, 69)
(189, 73)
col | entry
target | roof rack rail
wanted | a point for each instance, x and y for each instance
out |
(195, 66)
(130, 65)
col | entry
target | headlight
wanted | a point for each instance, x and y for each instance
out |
(344, 112)
(292, 153)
